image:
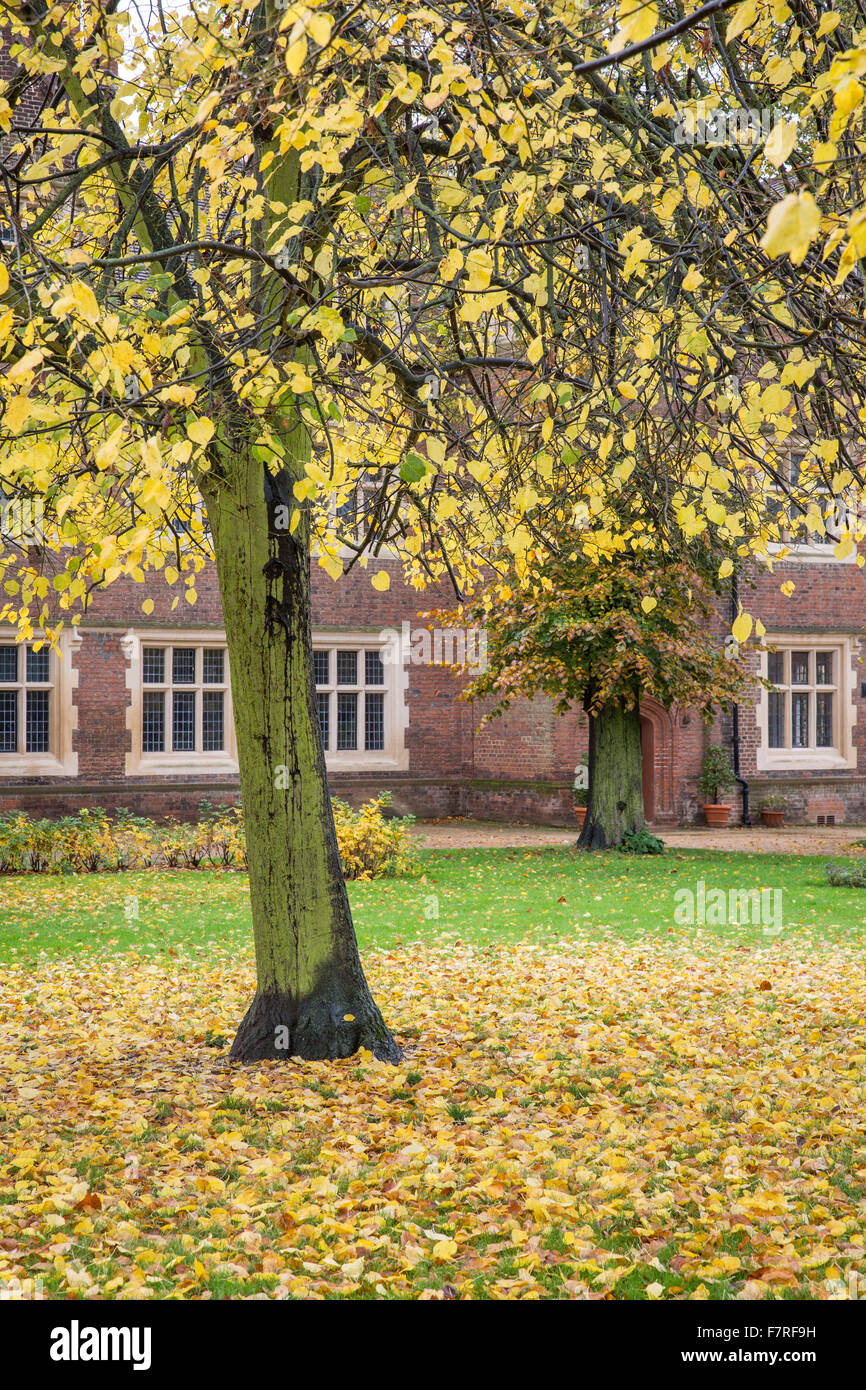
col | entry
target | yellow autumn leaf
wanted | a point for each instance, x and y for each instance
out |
(296, 55)
(332, 565)
(319, 28)
(451, 265)
(381, 580)
(792, 226)
(780, 142)
(444, 1250)
(17, 412)
(775, 399)
(80, 297)
(848, 96)
(844, 546)
(107, 452)
(741, 627)
(201, 431)
(479, 267)
(28, 363)
(637, 20)
(24, 1159)
(743, 16)
(648, 603)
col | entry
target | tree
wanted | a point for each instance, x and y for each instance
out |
(603, 635)
(713, 336)
(261, 253)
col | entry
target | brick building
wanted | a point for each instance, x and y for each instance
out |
(136, 711)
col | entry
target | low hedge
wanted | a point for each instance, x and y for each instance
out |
(372, 844)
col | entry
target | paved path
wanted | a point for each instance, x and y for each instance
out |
(795, 839)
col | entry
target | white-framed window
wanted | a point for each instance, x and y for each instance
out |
(359, 701)
(365, 514)
(180, 715)
(799, 542)
(26, 698)
(807, 715)
(356, 513)
(36, 713)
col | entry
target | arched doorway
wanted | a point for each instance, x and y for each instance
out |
(657, 735)
(648, 760)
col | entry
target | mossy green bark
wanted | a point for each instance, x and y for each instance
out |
(615, 777)
(312, 997)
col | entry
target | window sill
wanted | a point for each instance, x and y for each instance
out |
(364, 762)
(793, 760)
(820, 554)
(170, 764)
(37, 765)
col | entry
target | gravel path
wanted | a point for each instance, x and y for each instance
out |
(795, 839)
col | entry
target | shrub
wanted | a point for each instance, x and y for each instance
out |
(640, 842)
(717, 775)
(841, 876)
(133, 841)
(13, 832)
(372, 844)
(39, 848)
(225, 843)
(84, 843)
(170, 845)
(774, 802)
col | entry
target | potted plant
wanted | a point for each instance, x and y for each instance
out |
(772, 809)
(580, 791)
(717, 776)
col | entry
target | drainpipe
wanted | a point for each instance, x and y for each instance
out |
(735, 730)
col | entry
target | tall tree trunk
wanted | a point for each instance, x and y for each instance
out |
(615, 777)
(312, 999)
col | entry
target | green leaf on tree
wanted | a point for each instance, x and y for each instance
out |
(413, 469)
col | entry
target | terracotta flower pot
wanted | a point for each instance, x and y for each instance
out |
(580, 812)
(717, 815)
(773, 817)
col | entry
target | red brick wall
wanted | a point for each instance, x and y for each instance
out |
(519, 766)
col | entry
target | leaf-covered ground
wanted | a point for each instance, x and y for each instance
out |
(573, 1118)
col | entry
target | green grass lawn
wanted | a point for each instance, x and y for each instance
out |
(478, 896)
